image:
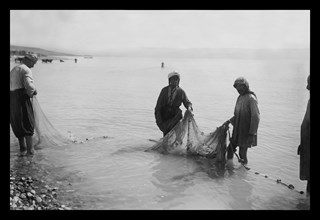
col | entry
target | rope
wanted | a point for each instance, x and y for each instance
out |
(290, 186)
(77, 141)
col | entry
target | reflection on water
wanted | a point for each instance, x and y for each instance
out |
(240, 191)
(172, 188)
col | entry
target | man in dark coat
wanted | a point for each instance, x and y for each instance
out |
(245, 121)
(304, 147)
(167, 111)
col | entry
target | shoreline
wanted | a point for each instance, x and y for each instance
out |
(30, 193)
(32, 186)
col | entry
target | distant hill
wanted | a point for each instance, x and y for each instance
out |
(38, 51)
(219, 53)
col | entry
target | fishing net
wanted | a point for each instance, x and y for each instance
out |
(45, 133)
(186, 139)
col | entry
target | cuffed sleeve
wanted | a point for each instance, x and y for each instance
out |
(28, 83)
(157, 109)
(186, 102)
(255, 117)
(232, 120)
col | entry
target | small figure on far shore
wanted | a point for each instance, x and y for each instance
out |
(304, 147)
(75, 60)
(162, 65)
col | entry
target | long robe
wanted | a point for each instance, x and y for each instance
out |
(305, 146)
(21, 110)
(245, 120)
(167, 111)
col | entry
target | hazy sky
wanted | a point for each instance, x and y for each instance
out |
(93, 31)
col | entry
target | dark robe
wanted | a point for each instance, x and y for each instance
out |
(305, 146)
(167, 111)
(21, 113)
(245, 120)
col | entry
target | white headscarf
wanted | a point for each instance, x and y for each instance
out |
(32, 57)
(174, 73)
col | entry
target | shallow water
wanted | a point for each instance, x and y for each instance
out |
(115, 97)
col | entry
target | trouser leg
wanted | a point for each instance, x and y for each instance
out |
(243, 153)
(22, 144)
(230, 152)
(30, 149)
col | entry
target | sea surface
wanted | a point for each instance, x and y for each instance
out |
(116, 96)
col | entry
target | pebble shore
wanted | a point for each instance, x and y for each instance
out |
(29, 193)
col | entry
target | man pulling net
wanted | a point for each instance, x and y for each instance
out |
(184, 136)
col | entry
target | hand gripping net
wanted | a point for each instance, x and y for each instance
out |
(186, 139)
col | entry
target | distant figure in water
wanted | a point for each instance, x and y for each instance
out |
(167, 111)
(245, 121)
(75, 60)
(162, 64)
(22, 89)
(304, 147)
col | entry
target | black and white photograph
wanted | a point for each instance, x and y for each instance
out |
(170, 109)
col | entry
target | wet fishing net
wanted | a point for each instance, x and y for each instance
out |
(186, 139)
(45, 133)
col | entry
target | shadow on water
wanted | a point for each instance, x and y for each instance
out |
(174, 175)
(213, 168)
(280, 202)
(303, 204)
(240, 192)
(131, 149)
(171, 187)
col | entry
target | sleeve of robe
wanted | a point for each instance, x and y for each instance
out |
(157, 110)
(28, 82)
(305, 145)
(232, 120)
(255, 116)
(186, 102)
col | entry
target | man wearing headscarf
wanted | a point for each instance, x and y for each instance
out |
(304, 147)
(245, 121)
(167, 111)
(22, 89)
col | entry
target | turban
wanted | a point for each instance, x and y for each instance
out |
(174, 73)
(32, 57)
(241, 80)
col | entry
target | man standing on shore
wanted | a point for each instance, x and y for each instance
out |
(22, 89)
(304, 147)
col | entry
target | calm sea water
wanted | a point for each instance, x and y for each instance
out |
(115, 97)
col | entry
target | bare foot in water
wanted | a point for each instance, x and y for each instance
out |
(30, 152)
(22, 153)
(230, 164)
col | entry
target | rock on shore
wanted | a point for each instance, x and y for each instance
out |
(29, 193)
